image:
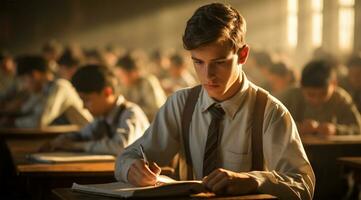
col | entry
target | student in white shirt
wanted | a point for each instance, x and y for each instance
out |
(215, 38)
(50, 100)
(117, 122)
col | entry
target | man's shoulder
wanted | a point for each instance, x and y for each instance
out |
(342, 96)
(273, 105)
(132, 109)
(63, 84)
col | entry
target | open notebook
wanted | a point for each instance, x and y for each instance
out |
(166, 187)
(63, 157)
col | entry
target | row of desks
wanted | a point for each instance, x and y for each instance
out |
(40, 179)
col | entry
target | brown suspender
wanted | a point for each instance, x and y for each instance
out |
(186, 120)
(257, 128)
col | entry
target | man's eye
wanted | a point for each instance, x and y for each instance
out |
(219, 62)
(197, 62)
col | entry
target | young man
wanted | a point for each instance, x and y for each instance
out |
(118, 122)
(52, 101)
(7, 72)
(319, 106)
(281, 78)
(215, 37)
(178, 75)
(68, 64)
(144, 90)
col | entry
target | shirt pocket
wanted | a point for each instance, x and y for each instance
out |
(237, 162)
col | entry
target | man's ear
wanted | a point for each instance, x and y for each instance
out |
(243, 54)
(108, 91)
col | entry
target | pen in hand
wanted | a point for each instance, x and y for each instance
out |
(158, 182)
(143, 155)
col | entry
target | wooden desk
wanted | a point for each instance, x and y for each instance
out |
(68, 194)
(39, 179)
(323, 155)
(50, 131)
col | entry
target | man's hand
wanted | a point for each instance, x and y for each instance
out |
(326, 129)
(140, 174)
(308, 126)
(222, 181)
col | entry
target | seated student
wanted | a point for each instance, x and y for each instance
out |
(51, 51)
(319, 106)
(144, 90)
(179, 77)
(118, 122)
(51, 99)
(352, 82)
(7, 72)
(211, 126)
(68, 64)
(281, 78)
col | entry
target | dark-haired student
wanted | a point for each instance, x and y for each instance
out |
(7, 73)
(144, 90)
(214, 138)
(117, 122)
(68, 64)
(52, 101)
(319, 105)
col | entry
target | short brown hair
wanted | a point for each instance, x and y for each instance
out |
(215, 22)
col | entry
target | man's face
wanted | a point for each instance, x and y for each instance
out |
(218, 68)
(94, 102)
(123, 76)
(316, 96)
(32, 82)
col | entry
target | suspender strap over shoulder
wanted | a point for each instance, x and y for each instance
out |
(257, 130)
(190, 104)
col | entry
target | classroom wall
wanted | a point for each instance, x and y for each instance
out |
(25, 25)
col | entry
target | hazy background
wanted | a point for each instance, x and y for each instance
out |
(150, 24)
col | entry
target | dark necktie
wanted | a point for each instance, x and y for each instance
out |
(211, 154)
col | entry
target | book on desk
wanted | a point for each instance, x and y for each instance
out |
(164, 188)
(67, 157)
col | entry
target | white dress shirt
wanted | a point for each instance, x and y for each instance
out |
(288, 172)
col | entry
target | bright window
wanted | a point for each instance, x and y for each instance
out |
(317, 7)
(292, 23)
(346, 25)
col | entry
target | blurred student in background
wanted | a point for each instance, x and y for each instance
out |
(68, 65)
(178, 75)
(7, 72)
(281, 78)
(117, 124)
(51, 101)
(319, 106)
(144, 90)
(51, 51)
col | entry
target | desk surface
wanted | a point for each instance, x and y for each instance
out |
(31, 132)
(315, 140)
(19, 148)
(68, 194)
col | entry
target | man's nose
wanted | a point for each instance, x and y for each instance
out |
(209, 71)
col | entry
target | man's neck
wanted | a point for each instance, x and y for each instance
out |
(233, 90)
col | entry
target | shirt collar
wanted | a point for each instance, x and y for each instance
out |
(230, 106)
(109, 118)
